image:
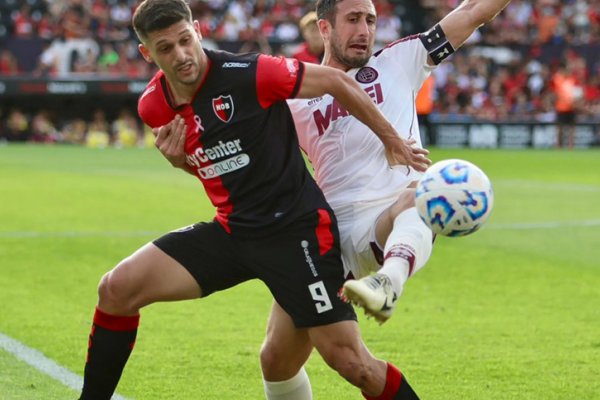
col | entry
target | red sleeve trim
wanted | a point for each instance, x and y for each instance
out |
(277, 79)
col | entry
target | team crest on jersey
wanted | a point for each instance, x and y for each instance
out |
(223, 107)
(366, 75)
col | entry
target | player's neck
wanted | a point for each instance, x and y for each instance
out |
(184, 93)
(330, 61)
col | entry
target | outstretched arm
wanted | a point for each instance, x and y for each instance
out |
(320, 80)
(468, 16)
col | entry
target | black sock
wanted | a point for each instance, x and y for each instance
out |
(405, 392)
(396, 387)
(110, 344)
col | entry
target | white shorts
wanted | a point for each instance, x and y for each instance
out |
(356, 223)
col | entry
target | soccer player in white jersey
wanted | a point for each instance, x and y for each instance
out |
(379, 226)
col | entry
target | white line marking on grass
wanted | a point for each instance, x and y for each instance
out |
(545, 225)
(43, 364)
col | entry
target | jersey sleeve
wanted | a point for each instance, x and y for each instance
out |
(409, 55)
(153, 108)
(277, 79)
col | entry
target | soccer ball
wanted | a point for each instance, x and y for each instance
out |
(454, 197)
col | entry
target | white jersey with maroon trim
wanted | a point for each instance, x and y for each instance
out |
(348, 158)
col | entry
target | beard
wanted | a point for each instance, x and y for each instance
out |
(349, 61)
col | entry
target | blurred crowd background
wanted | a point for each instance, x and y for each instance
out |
(537, 60)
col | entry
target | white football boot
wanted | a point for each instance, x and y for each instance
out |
(374, 293)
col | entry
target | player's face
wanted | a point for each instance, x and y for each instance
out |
(351, 39)
(177, 51)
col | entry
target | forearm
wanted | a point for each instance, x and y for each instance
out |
(467, 17)
(356, 101)
(485, 10)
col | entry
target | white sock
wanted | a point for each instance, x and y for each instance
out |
(296, 388)
(407, 249)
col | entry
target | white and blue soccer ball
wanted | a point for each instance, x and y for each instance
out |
(454, 197)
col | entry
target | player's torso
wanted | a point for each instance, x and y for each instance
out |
(348, 158)
(246, 156)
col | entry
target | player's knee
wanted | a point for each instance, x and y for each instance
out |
(116, 290)
(405, 200)
(269, 359)
(275, 363)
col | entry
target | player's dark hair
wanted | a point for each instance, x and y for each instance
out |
(326, 10)
(154, 15)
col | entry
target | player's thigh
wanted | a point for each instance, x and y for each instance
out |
(302, 267)
(385, 222)
(285, 349)
(147, 276)
(209, 254)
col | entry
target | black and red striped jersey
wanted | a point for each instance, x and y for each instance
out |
(241, 140)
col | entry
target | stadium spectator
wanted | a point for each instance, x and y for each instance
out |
(74, 131)
(99, 19)
(568, 93)
(46, 27)
(108, 59)
(53, 58)
(23, 24)
(311, 49)
(8, 63)
(98, 134)
(389, 25)
(16, 128)
(424, 106)
(126, 130)
(43, 129)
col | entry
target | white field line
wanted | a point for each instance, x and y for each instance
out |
(44, 364)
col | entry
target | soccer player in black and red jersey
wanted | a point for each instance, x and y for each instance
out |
(228, 113)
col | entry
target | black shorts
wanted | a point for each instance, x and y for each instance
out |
(301, 264)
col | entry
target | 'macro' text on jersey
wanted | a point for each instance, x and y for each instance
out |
(334, 110)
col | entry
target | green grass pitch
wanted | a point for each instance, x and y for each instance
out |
(511, 312)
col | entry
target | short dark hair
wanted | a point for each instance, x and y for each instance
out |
(326, 10)
(154, 15)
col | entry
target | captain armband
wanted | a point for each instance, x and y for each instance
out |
(436, 44)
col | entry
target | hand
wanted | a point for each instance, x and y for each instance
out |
(170, 140)
(402, 152)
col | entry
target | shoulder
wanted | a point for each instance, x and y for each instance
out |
(400, 45)
(225, 61)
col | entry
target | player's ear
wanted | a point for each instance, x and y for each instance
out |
(145, 53)
(324, 28)
(197, 29)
